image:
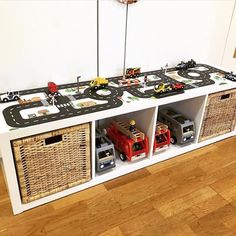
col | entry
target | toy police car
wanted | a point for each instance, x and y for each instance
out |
(10, 96)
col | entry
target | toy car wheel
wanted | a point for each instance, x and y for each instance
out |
(173, 140)
(123, 156)
(5, 100)
(16, 98)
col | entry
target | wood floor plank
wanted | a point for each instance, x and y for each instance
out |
(126, 179)
(34, 215)
(223, 172)
(4, 232)
(113, 220)
(213, 223)
(180, 204)
(137, 225)
(83, 195)
(231, 224)
(84, 213)
(145, 188)
(112, 232)
(209, 205)
(199, 154)
(226, 187)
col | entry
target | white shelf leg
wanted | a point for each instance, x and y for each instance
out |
(10, 174)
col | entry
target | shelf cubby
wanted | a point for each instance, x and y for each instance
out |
(145, 122)
(192, 109)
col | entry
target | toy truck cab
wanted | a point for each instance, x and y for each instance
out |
(52, 88)
(182, 129)
(131, 145)
(162, 136)
(10, 96)
(105, 152)
(98, 83)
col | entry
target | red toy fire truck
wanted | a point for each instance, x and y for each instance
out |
(162, 136)
(131, 143)
(52, 88)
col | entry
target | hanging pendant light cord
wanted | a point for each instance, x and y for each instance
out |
(125, 44)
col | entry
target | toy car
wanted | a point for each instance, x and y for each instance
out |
(105, 152)
(230, 76)
(177, 86)
(165, 88)
(182, 129)
(132, 72)
(182, 65)
(131, 144)
(10, 96)
(98, 83)
(185, 65)
(162, 88)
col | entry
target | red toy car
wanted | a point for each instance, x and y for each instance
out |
(132, 145)
(52, 88)
(177, 86)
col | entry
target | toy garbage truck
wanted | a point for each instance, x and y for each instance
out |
(105, 152)
(181, 128)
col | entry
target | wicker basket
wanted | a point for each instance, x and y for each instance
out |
(220, 115)
(52, 162)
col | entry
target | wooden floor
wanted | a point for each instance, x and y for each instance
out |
(193, 194)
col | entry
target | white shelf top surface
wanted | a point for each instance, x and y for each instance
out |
(135, 105)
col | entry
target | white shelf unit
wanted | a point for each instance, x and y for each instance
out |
(191, 103)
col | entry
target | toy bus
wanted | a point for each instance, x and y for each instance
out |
(182, 129)
(105, 152)
(131, 144)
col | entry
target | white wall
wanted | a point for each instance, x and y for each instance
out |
(163, 31)
(228, 61)
(45, 40)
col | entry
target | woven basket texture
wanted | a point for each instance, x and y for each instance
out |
(220, 115)
(45, 167)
